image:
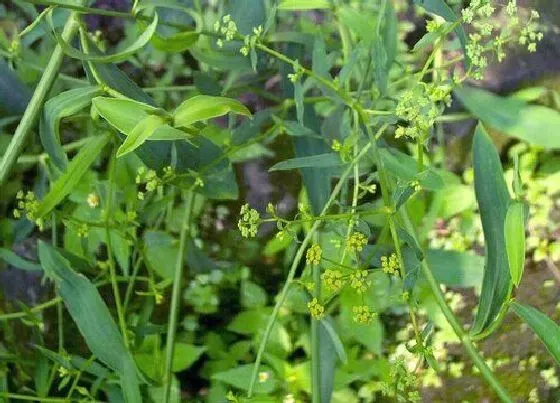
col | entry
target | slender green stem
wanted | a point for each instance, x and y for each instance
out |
(112, 268)
(295, 263)
(315, 343)
(36, 103)
(31, 398)
(131, 283)
(175, 296)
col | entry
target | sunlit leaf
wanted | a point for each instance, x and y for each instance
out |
(204, 107)
(514, 233)
(493, 201)
(140, 133)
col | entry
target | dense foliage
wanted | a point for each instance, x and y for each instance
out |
(257, 200)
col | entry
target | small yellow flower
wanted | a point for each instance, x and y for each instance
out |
(264, 376)
(333, 279)
(93, 200)
(313, 255)
(390, 265)
(359, 281)
(356, 242)
(362, 314)
(248, 222)
(316, 310)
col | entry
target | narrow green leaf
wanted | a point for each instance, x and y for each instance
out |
(14, 260)
(141, 132)
(335, 340)
(61, 106)
(303, 4)
(313, 161)
(138, 44)
(14, 94)
(493, 201)
(122, 114)
(543, 326)
(94, 321)
(175, 43)
(385, 44)
(204, 107)
(514, 233)
(439, 7)
(534, 124)
(76, 169)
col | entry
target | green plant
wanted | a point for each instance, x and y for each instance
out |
(361, 110)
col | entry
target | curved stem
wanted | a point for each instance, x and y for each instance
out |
(175, 297)
(295, 263)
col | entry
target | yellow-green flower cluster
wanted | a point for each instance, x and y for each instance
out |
(529, 34)
(316, 310)
(362, 314)
(82, 230)
(27, 206)
(333, 280)
(359, 281)
(390, 265)
(313, 255)
(250, 40)
(418, 106)
(248, 222)
(356, 242)
(226, 27)
(148, 178)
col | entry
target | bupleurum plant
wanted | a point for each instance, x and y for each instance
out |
(134, 183)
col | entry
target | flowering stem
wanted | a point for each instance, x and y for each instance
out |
(36, 103)
(295, 263)
(175, 297)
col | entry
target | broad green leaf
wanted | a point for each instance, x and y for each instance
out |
(303, 4)
(140, 133)
(14, 260)
(73, 174)
(239, 378)
(122, 114)
(493, 201)
(61, 106)
(175, 43)
(184, 355)
(313, 161)
(204, 107)
(440, 7)
(403, 166)
(514, 233)
(94, 321)
(252, 295)
(543, 326)
(168, 133)
(125, 54)
(534, 124)
(160, 252)
(456, 269)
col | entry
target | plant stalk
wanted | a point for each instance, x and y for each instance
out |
(175, 297)
(36, 103)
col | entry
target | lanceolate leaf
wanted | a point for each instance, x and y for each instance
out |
(543, 326)
(534, 124)
(514, 232)
(204, 107)
(140, 133)
(313, 161)
(493, 201)
(93, 319)
(138, 44)
(12, 259)
(61, 106)
(76, 169)
(122, 114)
(303, 4)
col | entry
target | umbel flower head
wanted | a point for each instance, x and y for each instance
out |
(390, 265)
(316, 310)
(333, 280)
(248, 221)
(356, 242)
(359, 281)
(313, 255)
(362, 314)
